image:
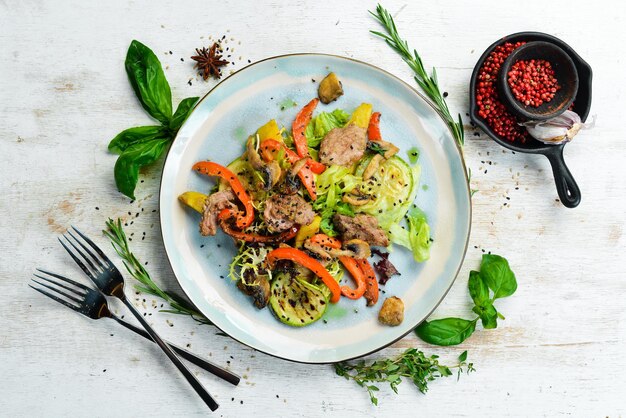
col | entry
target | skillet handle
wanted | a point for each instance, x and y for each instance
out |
(566, 186)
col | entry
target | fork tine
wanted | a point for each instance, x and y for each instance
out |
(94, 246)
(71, 289)
(93, 256)
(73, 298)
(98, 264)
(77, 260)
(51, 296)
(58, 276)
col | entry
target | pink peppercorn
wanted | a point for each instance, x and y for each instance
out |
(533, 82)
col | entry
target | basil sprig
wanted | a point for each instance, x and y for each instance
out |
(494, 281)
(143, 145)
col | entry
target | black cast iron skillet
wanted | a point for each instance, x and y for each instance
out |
(566, 186)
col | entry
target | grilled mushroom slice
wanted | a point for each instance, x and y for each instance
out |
(257, 287)
(330, 88)
(355, 199)
(270, 172)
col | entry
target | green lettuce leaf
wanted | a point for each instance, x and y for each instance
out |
(416, 236)
(323, 123)
(331, 186)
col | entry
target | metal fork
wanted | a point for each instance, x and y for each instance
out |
(110, 282)
(93, 304)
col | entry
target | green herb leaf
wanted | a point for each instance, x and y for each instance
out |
(133, 158)
(182, 112)
(497, 274)
(429, 84)
(132, 136)
(148, 80)
(447, 331)
(376, 148)
(117, 236)
(412, 364)
(478, 289)
(487, 313)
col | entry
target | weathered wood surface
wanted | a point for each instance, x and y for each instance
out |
(64, 94)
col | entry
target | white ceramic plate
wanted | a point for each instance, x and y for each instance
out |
(217, 130)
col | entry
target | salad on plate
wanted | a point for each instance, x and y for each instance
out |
(308, 207)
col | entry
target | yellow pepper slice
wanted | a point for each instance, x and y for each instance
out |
(270, 131)
(307, 231)
(361, 115)
(194, 200)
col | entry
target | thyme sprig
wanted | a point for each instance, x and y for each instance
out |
(412, 364)
(178, 305)
(428, 83)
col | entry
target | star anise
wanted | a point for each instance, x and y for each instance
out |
(209, 61)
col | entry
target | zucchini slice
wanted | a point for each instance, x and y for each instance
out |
(244, 172)
(296, 302)
(393, 188)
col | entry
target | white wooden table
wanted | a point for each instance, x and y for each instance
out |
(64, 94)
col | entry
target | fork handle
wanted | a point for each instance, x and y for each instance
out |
(193, 381)
(191, 357)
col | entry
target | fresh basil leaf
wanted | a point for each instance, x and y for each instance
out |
(148, 80)
(478, 289)
(488, 314)
(497, 274)
(447, 331)
(132, 136)
(128, 164)
(182, 112)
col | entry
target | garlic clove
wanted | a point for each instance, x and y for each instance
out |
(558, 130)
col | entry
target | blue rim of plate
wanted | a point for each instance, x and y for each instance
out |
(418, 94)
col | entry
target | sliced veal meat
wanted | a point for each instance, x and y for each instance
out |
(363, 227)
(283, 211)
(212, 207)
(343, 146)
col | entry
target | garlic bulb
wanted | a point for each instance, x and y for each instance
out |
(558, 130)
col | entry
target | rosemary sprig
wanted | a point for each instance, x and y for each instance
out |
(412, 364)
(178, 305)
(428, 83)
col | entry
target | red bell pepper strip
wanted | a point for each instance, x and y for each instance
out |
(316, 166)
(325, 240)
(268, 149)
(312, 264)
(373, 130)
(213, 169)
(251, 237)
(308, 179)
(299, 125)
(354, 269)
(371, 285)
